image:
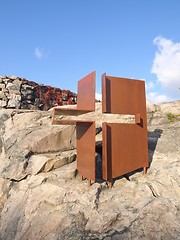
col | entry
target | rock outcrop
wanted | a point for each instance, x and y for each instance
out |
(19, 93)
(42, 196)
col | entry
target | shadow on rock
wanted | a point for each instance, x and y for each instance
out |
(99, 178)
(152, 143)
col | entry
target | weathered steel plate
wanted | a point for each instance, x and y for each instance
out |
(124, 145)
(86, 92)
(123, 95)
(124, 149)
(85, 133)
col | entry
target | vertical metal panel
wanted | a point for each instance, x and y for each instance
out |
(126, 151)
(124, 145)
(123, 95)
(104, 93)
(105, 152)
(86, 92)
(85, 133)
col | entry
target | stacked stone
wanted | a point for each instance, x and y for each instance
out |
(20, 93)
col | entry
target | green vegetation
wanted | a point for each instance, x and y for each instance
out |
(173, 117)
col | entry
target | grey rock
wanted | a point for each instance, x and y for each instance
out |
(3, 103)
(14, 101)
(27, 87)
(4, 189)
(7, 80)
(13, 88)
(49, 162)
(13, 77)
(169, 107)
(2, 95)
(17, 82)
(27, 92)
(42, 196)
(2, 86)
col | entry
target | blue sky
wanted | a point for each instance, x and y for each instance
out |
(57, 42)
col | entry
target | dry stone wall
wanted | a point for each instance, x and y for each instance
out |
(20, 93)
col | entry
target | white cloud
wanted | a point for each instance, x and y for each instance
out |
(166, 65)
(98, 96)
(38, 53)
(155, 97)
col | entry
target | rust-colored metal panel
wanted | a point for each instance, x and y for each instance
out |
(106, 153)
(105, 91)
(123, 95)
(85, 99)
(137, 118)
(124, 149)
(124, 145)
(85, 133)
(86, 92)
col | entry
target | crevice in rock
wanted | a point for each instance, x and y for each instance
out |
(99, 162)
(152, 190)
(20, 179)
(98, 130)
(153, 138)
(97, 197)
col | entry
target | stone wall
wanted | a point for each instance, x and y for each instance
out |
(20, 93)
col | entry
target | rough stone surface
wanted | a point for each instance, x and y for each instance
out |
(42, 196)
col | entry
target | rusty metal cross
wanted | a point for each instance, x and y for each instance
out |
(124, 145)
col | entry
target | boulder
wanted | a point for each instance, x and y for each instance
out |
(48, 162)
(14, 100)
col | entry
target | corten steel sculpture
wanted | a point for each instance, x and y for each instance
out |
(124, 146)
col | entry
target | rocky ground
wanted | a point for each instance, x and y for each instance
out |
(42, 196)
